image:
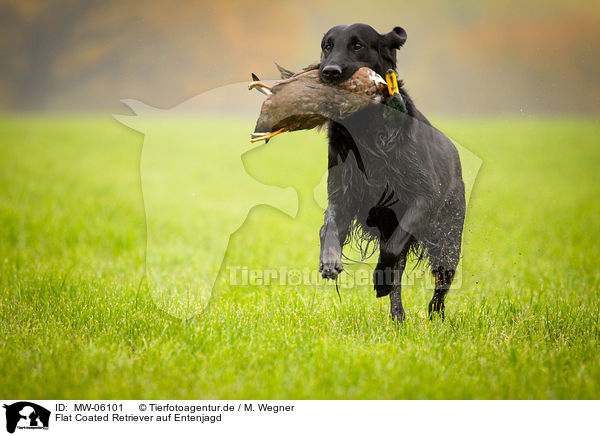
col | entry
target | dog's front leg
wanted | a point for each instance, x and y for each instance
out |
(387, 276)
(393, 251)
(333, 234)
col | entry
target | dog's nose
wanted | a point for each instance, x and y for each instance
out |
(331, 72)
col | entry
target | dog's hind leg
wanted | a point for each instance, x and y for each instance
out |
(443, 280)
(444, 255)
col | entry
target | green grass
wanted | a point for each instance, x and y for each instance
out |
(79, 320)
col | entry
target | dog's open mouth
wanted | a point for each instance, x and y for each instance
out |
(259, 136)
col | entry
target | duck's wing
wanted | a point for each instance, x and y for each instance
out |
(313, 66)
(285, 73)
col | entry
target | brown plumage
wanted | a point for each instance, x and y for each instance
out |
(303, 101)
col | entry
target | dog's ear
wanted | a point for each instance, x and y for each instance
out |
(396, 38)
(389, 43)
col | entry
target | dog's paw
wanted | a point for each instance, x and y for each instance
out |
(397, 314)
(330, 268)
(437, 308)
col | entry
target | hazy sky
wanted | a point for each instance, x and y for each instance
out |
(461, 57)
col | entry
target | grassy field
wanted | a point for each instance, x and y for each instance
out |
(78, 318)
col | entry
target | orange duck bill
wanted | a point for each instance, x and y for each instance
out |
(259, 136)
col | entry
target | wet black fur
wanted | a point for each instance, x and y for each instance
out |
(397, 183)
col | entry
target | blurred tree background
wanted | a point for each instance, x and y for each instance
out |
(461, 57)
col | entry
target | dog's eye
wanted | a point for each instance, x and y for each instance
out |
(328, 46)
(357, 46)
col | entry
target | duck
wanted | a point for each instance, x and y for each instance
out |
(302, 101)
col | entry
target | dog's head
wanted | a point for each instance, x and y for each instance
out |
(346, 48)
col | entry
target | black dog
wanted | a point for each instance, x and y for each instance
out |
(399, 183)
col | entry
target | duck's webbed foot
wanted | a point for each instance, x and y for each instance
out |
(259, 86)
